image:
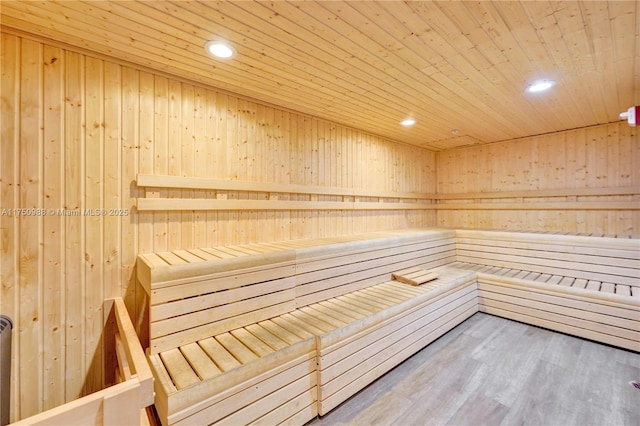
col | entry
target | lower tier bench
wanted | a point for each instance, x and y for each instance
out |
(260, 374)
(239, 377)
(581, 285)
(391, 321)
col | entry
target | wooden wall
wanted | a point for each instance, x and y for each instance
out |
(581, 181)
(76, 130)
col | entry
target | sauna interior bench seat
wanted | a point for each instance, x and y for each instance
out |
(279, 332)
(288, 330)
(588, 286)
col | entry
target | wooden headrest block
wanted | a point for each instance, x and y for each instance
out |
(414, 276)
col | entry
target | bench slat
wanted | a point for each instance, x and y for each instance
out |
(567, 281)
(256, 345)
(265, 336)
(384, 294)
(171, 258)
(222, 358)
(332, 312)
(281, 332)
(236, 348)
(202, 254)
(187, 256)
(322, 322)
(624, 290)
(347, 304)
(179, 369)
(608, 288)
(555, 279)
(199, 361)
(593, 285)
(219, 253)
(296, 326)
(580, 283)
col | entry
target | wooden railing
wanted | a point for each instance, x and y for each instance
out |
(125, 401)
(360, 199)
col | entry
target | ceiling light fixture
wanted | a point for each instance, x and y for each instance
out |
(220, 49)
(408, 122)
(540, 86)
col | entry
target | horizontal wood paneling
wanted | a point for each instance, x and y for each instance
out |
(77, 130)
(589, 165)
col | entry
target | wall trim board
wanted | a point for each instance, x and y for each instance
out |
(183, 182)
(545, 193)
(539, 206)
(420, 201)
(181, 204)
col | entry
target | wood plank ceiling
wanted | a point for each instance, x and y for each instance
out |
(370, 64)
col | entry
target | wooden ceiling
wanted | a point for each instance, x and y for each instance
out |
(368, 64)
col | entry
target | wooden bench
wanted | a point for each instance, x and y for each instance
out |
(582, 285)
(236, 332)
(122, 403)
(206, 308)
(366, 333)
(280, 332)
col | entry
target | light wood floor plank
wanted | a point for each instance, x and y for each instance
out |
(491, 370)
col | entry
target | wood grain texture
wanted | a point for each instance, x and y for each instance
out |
(452, 65)
(533, 173)
(78, 129)
(492, 370)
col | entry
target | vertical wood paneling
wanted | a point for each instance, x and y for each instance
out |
(129, 150)
(9, 181)
(53, 247)
(29, 324)
(74, 169)
(93, 233)
(30, 255)
(114, 176)
(146, 113)
(595, 157)
(75, 132)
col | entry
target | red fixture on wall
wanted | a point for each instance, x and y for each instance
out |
(631, 115)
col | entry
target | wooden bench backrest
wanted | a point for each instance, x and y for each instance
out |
(611, 260)
(326, 272)
(192, 298)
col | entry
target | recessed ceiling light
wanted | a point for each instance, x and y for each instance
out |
(408, 122)
(220, 49)
(540, 86)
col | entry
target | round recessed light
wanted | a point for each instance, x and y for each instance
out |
(408, 122)
(540, 86)
(220, 49)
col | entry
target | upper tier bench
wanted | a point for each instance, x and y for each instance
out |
(236, 332)
(582, 285)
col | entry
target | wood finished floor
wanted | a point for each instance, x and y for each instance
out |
(493, 371)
